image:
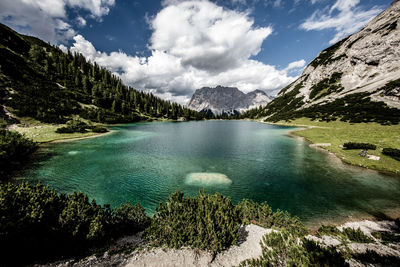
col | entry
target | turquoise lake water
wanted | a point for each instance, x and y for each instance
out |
(146, 162)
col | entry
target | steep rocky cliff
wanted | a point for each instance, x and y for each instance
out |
(358, 76)
(227, 100)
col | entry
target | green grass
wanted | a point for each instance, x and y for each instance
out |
(337, 133)
(43, 133)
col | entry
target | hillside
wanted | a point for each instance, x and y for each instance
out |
(227, 100)
(40, 81)
(356, 79)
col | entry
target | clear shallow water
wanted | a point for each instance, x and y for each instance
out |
(146, 162)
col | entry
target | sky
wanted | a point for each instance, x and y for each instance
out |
(173, 47)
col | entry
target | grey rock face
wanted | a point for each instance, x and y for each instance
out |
(227, 100)
(365, 62)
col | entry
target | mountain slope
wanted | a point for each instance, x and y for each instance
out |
(357, 79)
(226, 100)
(40, 81)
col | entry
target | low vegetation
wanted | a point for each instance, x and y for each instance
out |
(354, 145)
(336, 133)
(207, 222)
(392, 152)
(44, 225)
(14, 148)
(344, 235)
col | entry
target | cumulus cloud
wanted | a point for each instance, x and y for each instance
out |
(345, 17)
(47, 19)
(195, 44)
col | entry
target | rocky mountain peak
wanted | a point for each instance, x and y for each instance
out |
(228, 100)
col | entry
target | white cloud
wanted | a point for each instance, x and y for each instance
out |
(195, 44)
(348, 19)
(47, 18)
(81, 21)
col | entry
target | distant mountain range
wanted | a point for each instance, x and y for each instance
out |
(227, 100)
(356, 79)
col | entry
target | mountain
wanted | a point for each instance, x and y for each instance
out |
(226, 100)
(356, 79)
(40, 81)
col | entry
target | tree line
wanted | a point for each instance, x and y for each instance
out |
(49, 85)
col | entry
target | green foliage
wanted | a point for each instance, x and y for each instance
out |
(372, 258)
(45, 225)
(347, 234)
(391, 152)
(207, 222)
(353, 108)
(14, 147)
(326, 86)
(280, 249)
(323, 256)
(99, 129)
(356, 235)
(261, 214)
(387, 237)
(73, 126)
(354, 145)
(51, 86)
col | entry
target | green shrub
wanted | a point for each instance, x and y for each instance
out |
(353, 145)
(99, 129)
(45, 225)
(387, 237)
(372, 258)
(14, 147)
(261, 214)
(356, 235)
(392, 152)
(73, 126)
(280, 249)
(207, 222)
(323, 256)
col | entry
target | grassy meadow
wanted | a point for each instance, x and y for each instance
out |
(43, 132)
(337, 133)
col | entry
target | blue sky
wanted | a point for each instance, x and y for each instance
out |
(172, 47)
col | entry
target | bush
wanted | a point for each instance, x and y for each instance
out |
(261, 214)
(73, 126)
(207, 222)
(356, 235)
(392, 152)
(14, 147)
(280, 249)
(99, 129)
(45, 225)
(353, 145)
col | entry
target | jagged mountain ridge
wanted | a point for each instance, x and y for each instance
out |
(227, 100)
(362, 68)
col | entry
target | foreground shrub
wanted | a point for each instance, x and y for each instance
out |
(207, 222)
(14, 147)
(353, 145)
(44, 225)
(356, 235)
(392, 152)
(281, 248)
(261, 214)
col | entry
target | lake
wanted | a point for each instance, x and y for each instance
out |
(146, 162)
